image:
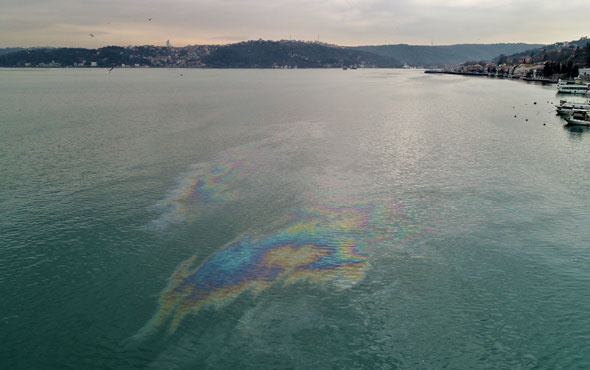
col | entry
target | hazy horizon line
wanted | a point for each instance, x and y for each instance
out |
(271, 40)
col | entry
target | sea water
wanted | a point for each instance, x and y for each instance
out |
(290, 219)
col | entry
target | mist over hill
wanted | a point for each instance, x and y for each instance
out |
(431, 56)
(10, 50)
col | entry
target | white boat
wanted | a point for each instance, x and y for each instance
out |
(579, 117)
(573, 88)
(566, 107)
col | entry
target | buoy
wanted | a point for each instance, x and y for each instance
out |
(534, 102)
(527, 119)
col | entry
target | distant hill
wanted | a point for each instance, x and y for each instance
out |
(268, 54)
(69, 57)
(15, 49)
(577, 52)
(250, 54)
(431, 56)
(259, 54)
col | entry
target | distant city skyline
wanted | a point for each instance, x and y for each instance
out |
(92, 24)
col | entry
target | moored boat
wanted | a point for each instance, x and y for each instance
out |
(579, 117)
(573, 88)
(566, 107)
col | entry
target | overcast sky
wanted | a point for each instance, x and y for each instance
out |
(343, 22)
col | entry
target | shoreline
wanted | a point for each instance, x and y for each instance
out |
(492, 75)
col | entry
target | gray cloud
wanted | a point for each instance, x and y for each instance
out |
(346, 22)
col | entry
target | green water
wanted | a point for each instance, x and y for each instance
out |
(298, 219)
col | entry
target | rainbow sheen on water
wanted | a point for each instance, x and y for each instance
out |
(217, 182)
(203, 183)
(320, 245)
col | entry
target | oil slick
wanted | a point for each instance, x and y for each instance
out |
(325, 245)
(328, 243)
(204, 184)
(216, 182)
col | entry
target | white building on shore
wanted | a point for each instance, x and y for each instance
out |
(584, 73)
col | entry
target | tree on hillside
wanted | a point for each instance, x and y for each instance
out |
(553, 68)
(548, 70)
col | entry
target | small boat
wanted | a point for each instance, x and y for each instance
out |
(579, 117)
(566, 107)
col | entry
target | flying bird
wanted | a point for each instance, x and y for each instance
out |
(149, 19)
(109, 70)
(91, 35)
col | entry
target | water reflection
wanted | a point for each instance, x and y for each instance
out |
(576, 131)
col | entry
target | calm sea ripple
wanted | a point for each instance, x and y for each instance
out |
(290, 219)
